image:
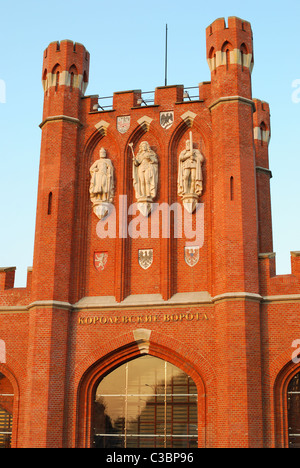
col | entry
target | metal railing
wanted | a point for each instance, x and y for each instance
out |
(147, 99)
(187, 96)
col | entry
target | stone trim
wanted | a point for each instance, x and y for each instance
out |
(235, 59)
(225, 99)
(263, 169)
(262, 135)
(64, 80)
(59, 118)
(152, 301)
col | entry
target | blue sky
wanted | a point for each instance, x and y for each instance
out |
(126, 42)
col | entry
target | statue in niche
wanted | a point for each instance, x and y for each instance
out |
(190, 177)
(102, 184)
(145, 176)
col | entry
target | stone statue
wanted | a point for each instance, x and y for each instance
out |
(145, 176)
(190, 177)
(102, 184)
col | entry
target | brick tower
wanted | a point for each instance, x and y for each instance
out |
(65, 78)
(230, 55)
(214, 310)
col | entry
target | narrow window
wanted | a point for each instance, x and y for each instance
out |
(227, 58)
(50, 203)
(57, 81)
(72, 81)
(244, 53)
(231, 188)
(263, 130)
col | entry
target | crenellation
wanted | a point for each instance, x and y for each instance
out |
(7, 278)
(154, 211)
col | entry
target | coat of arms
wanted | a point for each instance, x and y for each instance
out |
(166, 119)
(100, 260)
(191, 255)
(145, 258)
(123, 123)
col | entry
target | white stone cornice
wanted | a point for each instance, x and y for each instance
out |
(226, 99)
(140, 301)
(59, 118)
(57, 304)
(233, 296)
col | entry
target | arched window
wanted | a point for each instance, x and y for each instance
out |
(72, 72)
(57, 81)
(263, 130)
(213, 59)
(293, 405)
(244, 53)
(226, 49)
(144, 403)
(6, 411)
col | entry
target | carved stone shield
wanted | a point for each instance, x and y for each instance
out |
(166, 119)
(146, 258)
(191, 255)
(100, 260)
(123, 124)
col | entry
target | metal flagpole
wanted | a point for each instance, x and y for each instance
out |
(166, 57)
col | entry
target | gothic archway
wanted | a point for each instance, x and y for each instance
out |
(287, 407)
(145, 403)
(90, 386)
(6, 411)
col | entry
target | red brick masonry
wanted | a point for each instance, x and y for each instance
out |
(228, 321)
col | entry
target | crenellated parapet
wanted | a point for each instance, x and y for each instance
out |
(278, 285)
(66, 64)
(9, 295)
(261, 122)
(232, 45)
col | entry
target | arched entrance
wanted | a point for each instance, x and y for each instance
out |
(146, 402)
(6, 411)
(293, 409)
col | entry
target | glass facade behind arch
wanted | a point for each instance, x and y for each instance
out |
(293, 396)
(6, 411)
(144, 403)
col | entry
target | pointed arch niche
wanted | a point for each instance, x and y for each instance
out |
(9, 397)
(287, 406)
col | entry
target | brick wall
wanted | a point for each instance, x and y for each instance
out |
(228, 321)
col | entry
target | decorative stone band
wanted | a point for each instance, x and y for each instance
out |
(266, 171)
(59, 118)
(262, 135)
(264, 255)
(236, 57)
(227, 99)
(64, 80)
(146, 301)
